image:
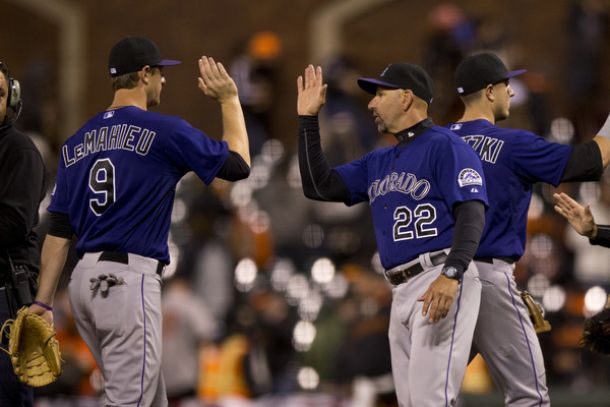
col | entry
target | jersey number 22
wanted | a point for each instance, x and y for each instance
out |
(425, 215)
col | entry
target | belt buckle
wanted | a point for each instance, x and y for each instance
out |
(398, 277)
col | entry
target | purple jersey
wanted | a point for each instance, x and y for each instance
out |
(412, 189)
(513, 160)
(117, 177)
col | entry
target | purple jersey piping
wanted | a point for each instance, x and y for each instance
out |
(529, 347)
(144, 339)
(457, 311)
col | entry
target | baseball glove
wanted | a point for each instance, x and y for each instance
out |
(33, 349)
(536, 313)
(596, 333)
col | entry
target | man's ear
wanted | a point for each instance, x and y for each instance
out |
(489, 93)
(406, 99)
(144, 74)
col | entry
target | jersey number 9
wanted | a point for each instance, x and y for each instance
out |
(101, 182)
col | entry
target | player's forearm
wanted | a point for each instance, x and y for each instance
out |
(320, 181)
(469, 224)
(53, 258)
(604, 147)
(234, 128)
(603, 141)
(588, 160)
(585, 162)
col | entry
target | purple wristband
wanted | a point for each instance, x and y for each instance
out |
(43, 305)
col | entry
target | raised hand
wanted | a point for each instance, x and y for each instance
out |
(214, 81)
(311, 91)
(580, 217)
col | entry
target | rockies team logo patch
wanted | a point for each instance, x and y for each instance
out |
(468, 176)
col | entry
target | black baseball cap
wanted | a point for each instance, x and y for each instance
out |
(479, 70)
(133, 53)
(401, 76)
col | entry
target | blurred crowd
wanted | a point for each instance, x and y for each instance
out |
(272, 296)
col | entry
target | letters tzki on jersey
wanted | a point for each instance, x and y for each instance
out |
(513, 160)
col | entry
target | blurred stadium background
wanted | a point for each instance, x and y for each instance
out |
(275, 300)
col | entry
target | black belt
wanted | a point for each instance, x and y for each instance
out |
(490, 260)
(119, 257)
(400, 276)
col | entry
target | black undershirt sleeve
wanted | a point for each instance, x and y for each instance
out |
(234, 168)
(60, 225)
(585, 163)
(603, 236)
(320, 181)
(469, 224)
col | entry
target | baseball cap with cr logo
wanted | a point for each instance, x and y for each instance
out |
(133, 53)
(401, 76)
(479, 70)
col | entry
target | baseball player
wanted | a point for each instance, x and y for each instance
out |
(581, 219)
(513, 160)
(427, 197)
(115, 189)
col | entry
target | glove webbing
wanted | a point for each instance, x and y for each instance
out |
(6, 326)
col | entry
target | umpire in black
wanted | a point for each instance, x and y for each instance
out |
(21, 190)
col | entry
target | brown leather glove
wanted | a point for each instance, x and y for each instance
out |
(596, 333)
(536, 313)
(33, 349)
